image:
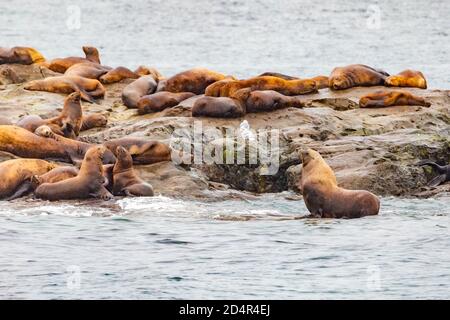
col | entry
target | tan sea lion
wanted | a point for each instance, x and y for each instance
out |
(267, 100)
(142, 151)
(88, 70)
(62, 64)
(381, 99)
(161, 100)
(9, 76)
(286, 87)
(67, 124)
(213, 90)
(89, 89)
(143, 86)
(125, 180)
(325, 199)
(118, 74)
(15, 176)
(54, 175)
(147, 71)
(278, 75)
(356, 75)
(89, 183)
(407, 78)
(218, 107)
(20, 55)
(194, 80)
(321, 81)
(93, 120)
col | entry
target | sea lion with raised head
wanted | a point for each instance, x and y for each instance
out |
(62, 64)
(407, 78)
(93, 120)
(20, 55)
(15, 176)
(442, 171)
(142, 151)
(143, 86)
(89, 89)
(325, 199)
(89, 183)
(356, 75)
(125, 180)
(161, 100)
(381, 99)
(218, 107)
(67, 124)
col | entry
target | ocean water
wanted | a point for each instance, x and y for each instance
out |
(154, 248)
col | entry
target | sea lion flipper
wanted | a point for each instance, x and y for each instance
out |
(85, 96)
(437, 180)
(24, 189)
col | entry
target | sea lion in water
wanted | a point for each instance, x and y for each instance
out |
(20, 55)
(193, 80)
(142, 151)
(143, 86)
(380, 99)
(89, 89)
(67, 124)
(356, 75)
(443, 172)
(268, 100)
(407, 78)
(161, 100)
(218, 107)
(93, 120)
(62, 64)
(125, 180)
(286, 87)
(15, 176)
(89, 183)
(325, 199)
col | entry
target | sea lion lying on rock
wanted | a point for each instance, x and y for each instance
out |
(62, 64)
(160, 101)
(67, 124)
(356, 75)
(89, 89)
(93, 120)
(321, 81)
(380, 99)
(407, 78)
(88, 70)
(443, 172)
(267, 100)
(89, 183)
(20, 55)
(325, 199)
(218, 107)
(143, 86)
(142, 151)
(15, 176)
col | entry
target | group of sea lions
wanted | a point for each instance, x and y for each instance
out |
(105, 170)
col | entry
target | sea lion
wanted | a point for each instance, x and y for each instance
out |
(443, 172)
(67, 124)
(407, 78)
(54, 175)
(5, 121)
(278, 75)
(20, 55)
(93, 120)
(88, 70)
(218, 107)
(89, 89)
(321, 81)
(286, 87)
(74, 150)
(213, 90)
(325, 199)
(9, 76)
(194, 80)
(15, 176)
(147, 71)
(356, 75)
(268, 100)
(89, 183)
(142, 151)
(118, 74)
(62, 64)
(125, 180)
(143, 86)
(391, 98)
(161, 100)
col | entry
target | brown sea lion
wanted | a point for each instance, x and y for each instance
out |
(321, 81)
(62, 64)
(142, 151)
(93, 120)
(218, 107)
(161, 100)
(54, 175)
(407, 78)
(5, 121)
(194, 80)
(213, 90)
(20, 55)
(9, 76)
(89, 89)
(88, 70)
(118, 74)
(147, 71)
(356, 75)
(278, 75)
(286, 87)
(267, 100)
(15, 176)
(67, 124)
(89, 183)
(442, 171)
(381, 99)
(143, 86)
(325, 199)
(125, 180)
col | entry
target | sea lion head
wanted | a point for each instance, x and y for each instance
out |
(308, 155)
(88, 50)
(124, 159)
(340, 82)
(33, 85)
(44, 131)
(74, 97)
